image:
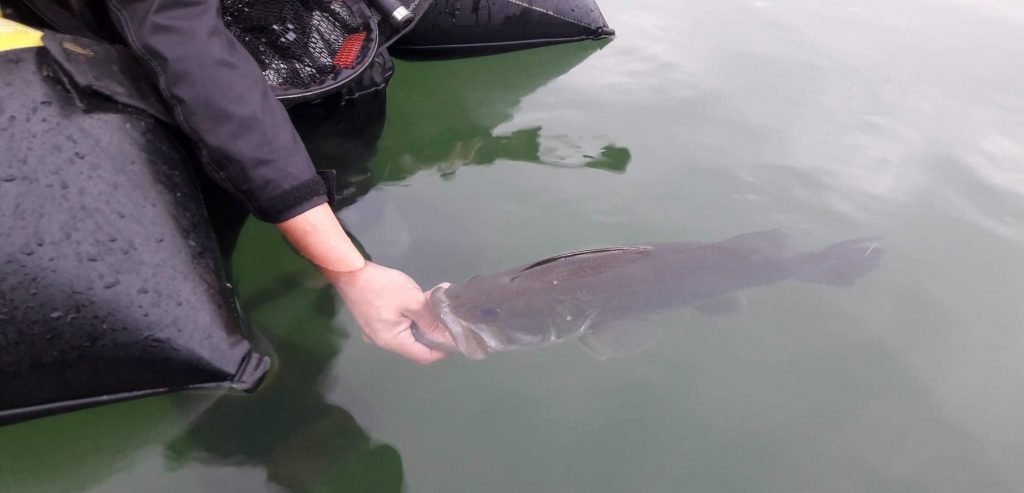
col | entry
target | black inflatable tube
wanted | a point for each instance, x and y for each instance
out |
(463, 28)
(111, 284)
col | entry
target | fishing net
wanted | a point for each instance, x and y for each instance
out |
(300, 43)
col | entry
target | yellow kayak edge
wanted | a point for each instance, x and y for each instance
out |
(14, 36)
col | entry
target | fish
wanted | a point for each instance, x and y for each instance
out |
(601, 296)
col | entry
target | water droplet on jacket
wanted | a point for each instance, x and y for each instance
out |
(111, 283)
(56, 315)
(8, 178)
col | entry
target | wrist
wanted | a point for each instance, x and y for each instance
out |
(318, 236)
(345, 278)
(344, 268)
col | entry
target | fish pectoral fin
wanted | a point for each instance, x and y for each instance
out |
(621, 338)
(722, 306)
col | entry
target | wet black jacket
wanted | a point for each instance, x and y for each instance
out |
(216, 90)
(221, 100)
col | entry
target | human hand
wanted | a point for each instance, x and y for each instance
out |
(384, 303)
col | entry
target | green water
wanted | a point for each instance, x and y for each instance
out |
(702, 120)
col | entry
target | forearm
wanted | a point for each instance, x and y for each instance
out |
(221, 100)
(318, 236)
(384, 302)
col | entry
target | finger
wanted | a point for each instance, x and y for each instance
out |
(401, 341)
(404, 344)
(413, 301)
(430, 325)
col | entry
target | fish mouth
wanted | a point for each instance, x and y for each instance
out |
(466, 335)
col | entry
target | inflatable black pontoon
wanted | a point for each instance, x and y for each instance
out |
(111, 281)
(111, 285)
(459, 28)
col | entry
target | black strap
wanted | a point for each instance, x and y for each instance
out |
(330, 179)
(109, 70)
(60, 18)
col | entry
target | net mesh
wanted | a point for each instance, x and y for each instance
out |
(297, 43)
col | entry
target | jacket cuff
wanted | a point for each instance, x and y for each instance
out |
(292, 202)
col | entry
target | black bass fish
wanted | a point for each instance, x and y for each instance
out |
(596, 296)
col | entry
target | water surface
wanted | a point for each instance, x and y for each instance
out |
(702, 120)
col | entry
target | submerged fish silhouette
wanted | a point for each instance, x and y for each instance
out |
(597, 295)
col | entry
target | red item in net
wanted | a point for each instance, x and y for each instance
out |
(349, 50)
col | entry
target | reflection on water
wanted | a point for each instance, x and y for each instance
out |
(448, 115)
(303, 443)
(446, 119)
(81, 451)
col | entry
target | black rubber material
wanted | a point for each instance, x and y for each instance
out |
(462, 28)
(88, 63)
(111, 285)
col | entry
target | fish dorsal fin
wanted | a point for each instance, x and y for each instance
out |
(580, 253)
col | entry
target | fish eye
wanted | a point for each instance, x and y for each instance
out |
(489, 313)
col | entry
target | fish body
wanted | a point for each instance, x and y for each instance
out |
(595, 295)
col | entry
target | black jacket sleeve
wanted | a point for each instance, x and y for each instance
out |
(219, 96)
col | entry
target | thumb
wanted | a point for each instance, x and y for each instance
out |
(430, 325)
(428, 322)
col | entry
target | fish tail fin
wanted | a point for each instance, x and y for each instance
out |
(840, 264)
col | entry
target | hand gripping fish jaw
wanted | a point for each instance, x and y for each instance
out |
(468, 337)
